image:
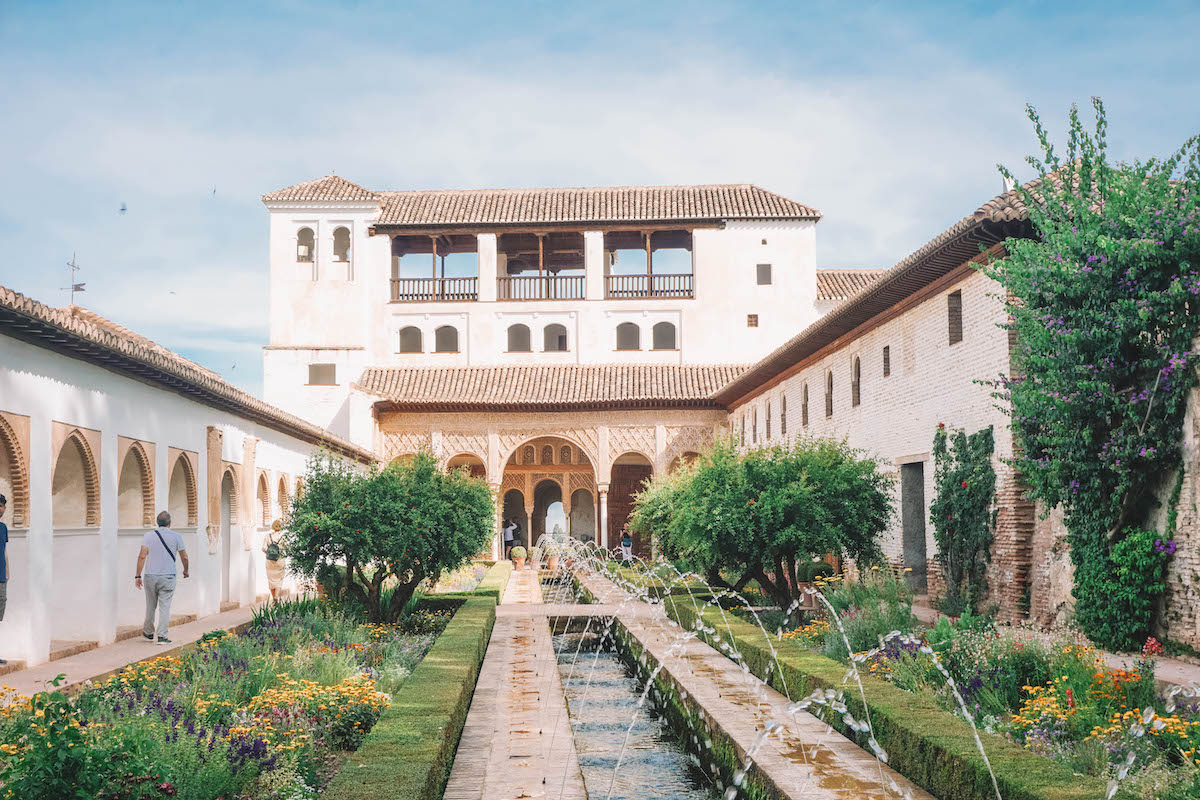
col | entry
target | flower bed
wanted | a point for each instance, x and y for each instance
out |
(266, 714)
(464, 579)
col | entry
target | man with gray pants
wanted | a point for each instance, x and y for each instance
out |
(161, 548)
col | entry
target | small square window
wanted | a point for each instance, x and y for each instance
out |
(322, 374)
(752, 320)
(764, 241)
(764, 274)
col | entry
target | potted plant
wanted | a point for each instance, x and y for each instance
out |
(806, 575)
(517, 554)
(535, 558)
(552, 556)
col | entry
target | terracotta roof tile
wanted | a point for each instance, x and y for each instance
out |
(87, 336)
(331, 187)
(586, 205)
(838, 284)
(557, 386)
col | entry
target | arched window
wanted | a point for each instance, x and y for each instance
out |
(856, 382)
(181, 493)
(804, 406)
(527, 455)
(663, 336)
(629, 336)
(341, 244)
(518, 338)
(829, 393)
(135, 490)
(783, 415)
(564, 455)
(445, 339)
(263, 512)
(410, 340)
(285, 502)
(547, 454)
(554, 339)
(305, 245)
(75, 485)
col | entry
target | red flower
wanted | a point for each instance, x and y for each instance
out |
(1070, 698)
(964, 484)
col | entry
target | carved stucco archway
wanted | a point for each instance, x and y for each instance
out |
(145, 465)
(17, 456)
(183, 461)
(91, 474)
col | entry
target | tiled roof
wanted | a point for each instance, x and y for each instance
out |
(994, 221)
(602, 204)
(555, 387)
(331, 187)
(838, 284)
(81, 334)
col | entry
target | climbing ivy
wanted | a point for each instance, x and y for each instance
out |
(963, 513)
(1104, 304)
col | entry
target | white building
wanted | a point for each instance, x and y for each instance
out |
(670, 275)
(99, 430)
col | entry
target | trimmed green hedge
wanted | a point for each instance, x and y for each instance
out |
(407, 755)
(495, 580)
(926, 744)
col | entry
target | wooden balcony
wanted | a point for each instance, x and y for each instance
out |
(543, 287)
(621, 287)
(434, 290)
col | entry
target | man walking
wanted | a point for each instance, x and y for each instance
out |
(161, 548)
(3, 561)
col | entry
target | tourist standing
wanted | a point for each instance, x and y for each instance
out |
(510, 528)
(272, 546)
(161, 548)
(3, 561)
(626, 545)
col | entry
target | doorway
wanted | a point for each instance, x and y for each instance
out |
(629, 475)
(912, 519)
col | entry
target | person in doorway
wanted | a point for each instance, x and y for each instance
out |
(626, 545)
(161, 548)
(273, 547)
(3, 561)
(510, 528)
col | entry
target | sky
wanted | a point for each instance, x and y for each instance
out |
(888, 118)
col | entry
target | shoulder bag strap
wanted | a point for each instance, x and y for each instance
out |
(164, 544)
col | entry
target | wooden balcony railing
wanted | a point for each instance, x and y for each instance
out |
(432, 290)
(543, 287)
(619, 287)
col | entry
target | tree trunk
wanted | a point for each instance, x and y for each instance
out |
(400, 598)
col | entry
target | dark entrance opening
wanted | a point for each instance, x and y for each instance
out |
(629, 475)
(912, 518)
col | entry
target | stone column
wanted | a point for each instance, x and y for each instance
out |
(488, 263)
(602, 539)
(593, 264)
(497, 519)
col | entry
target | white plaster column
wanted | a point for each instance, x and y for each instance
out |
(435, 444)
(593, 264)
(488, 264)
(602, 539)
(109, 466)
(660, 449)
(38, 572)
(497, 521)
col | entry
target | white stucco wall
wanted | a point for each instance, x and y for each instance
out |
(931, 382)
(77, 582)
(356, 315)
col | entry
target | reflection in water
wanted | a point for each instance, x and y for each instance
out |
(602, 696)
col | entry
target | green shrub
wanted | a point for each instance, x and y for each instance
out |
(517, 552)
(535, 554)
(407, 755)
(1130, 583)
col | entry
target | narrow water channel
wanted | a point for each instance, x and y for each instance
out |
(602, 695)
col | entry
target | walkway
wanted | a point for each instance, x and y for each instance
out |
(517, 741)
(100, 662)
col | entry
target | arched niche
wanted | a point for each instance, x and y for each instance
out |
(470, 462)
(75, 484)
(182, 502)
(135, 487)
(14, 469)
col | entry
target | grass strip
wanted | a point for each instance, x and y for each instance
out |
(407, 755)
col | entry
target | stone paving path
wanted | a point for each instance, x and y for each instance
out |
(517, 740)
(101, 661)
